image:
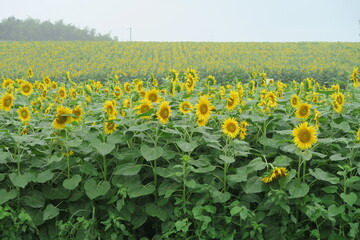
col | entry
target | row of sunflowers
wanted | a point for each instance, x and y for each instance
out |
(178, 157)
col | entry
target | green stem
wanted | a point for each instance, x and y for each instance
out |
(304, 170)
(226, 166)
(105, 168)
(184, 187)
(299, 168)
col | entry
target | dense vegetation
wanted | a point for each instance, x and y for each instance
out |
(325, 62)
(12, 29)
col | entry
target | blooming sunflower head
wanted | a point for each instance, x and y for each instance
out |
(77, 112)
(26, 88)
(110, 127)
(109, 108)
(153, 95)
(7, 83)
(304, 136)
(144, 107)
(303, 110)
(117, 91)
(190, 83)
(203, 108)
(24, 114)
(185, 107)
(230, 127)
(233, 100)
(47, 81)
(63, 116)
(295, 101)
(164, 112)
(6, 102)
(127, 87)
(62, 92)
(30, 73)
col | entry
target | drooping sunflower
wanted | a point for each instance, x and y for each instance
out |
(295, 101)
(24, 114)
(62, 117)
(190, 83)
(303, 110)
(164, 112)
(110, 109)
(185, 107)
(276, 172)
(230, 127)
(316, 118)
(6, 102)
(203, 108)
(110, 127)
(233, 100)
(62, 92)
(153, 95)
(78, 113)
(26, 88)
(144, 107)
(304, 136)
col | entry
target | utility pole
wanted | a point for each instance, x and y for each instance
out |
(130, 29)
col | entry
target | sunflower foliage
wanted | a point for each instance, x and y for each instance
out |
(186, 158)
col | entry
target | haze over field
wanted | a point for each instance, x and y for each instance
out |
(202, 20)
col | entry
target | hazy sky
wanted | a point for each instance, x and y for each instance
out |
(202, 20)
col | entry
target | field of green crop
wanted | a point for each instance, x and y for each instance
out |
(129, 141)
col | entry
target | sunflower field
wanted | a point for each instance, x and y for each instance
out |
(184, 156)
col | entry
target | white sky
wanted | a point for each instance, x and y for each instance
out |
(202, 20)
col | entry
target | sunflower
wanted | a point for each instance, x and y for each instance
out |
(47, 81)
(303, 110)
(185, 107)
(6, 102)
(77, 112)
(201, 122)
(26, 88)
(73, 93)
(24, 114)
(62, 92)
(243, 129)
(30, 73)
(304, 136)
(7, 83)
(203, 108)
(316, 118)
(117, 91)
(126, 103)
(127, 87)
(271, 99)
(110, 127)
(62, 117)
(190, 83)
(53, 85)
(233, 100)
(275, 173)
(295, 101)
(144, 107)
(164, 112)
(109, 108)
(230, 127)
(153, 95)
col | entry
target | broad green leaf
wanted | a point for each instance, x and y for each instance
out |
(268, 142)
(282, 161)
(350, 198)
(167, 188)
(330, 189)
(94, 190)
(186, 146)
(337, 157)
(219, 197)
(342, 126)
(45, 176)
(103, 148)
(50, 212)
(19, 180)
(151, 153)
(72, 182)
(3, 156)
(254, 185)
(35, 200)
(325, 176)
(227, 159)
(255, 165)
(333, 210)
(141, 191)
(6, 196)
(89, 169)
(55, 193)
(155, 211)
(297, 189)
(306, 155)
(127, 169)
(240, 176)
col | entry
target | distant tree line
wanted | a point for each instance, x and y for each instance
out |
(12, 29)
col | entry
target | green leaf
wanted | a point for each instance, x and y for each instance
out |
(268, 142)
(306, 155)
(254, 185)
(72, 182)
(186, 146)
(330, 189)
(19, 180)
(50, 212)
(103, 148)
(155, 211)
(3, 156)
(342, 126)
(282, 161)
(297, 189)
(88, 169)
(219, 197)
(227, 159)
(337, 157)
(94, 190)
(240, 176)
(55, 193)
(35, 200)
(334, 211)
(325, 176)
(6, 196)
(350, 198)
(127, 169)
(151, 153)
(255, 165)
(45, 176)
(141, 190)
